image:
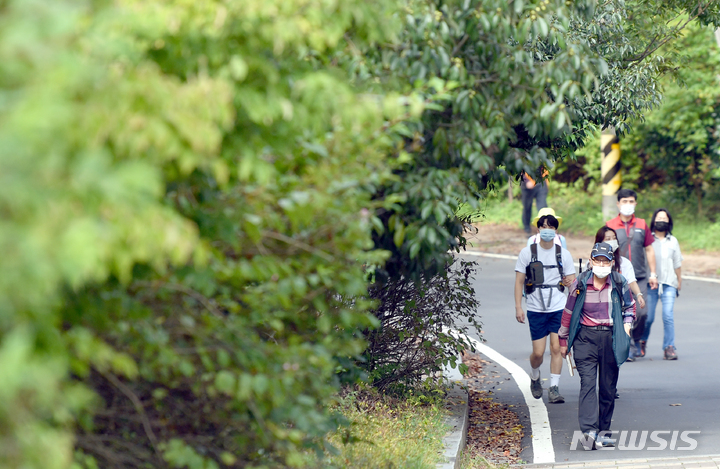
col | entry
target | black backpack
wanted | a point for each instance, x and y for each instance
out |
(535, 271)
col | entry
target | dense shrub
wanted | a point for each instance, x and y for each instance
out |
(414, 341)
(184, 204)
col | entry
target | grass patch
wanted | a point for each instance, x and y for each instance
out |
(582, 215)
(697, 235)
(470, 461)
(387, 432)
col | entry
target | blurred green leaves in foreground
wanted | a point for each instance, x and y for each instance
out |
(183, 214)
(194, 195)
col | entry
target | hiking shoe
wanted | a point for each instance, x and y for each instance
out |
(633, 351)
(588, 441)
(642, 348)
(536, 388)
(602, 441)
(670, 353)
(554, 396)
(617, 395)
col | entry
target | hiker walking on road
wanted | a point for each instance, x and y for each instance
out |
(596, 324)
(533, 189)
(669, 261)
(635, 240)
(543, 271)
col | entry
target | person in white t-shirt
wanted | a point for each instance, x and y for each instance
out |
(545, 302)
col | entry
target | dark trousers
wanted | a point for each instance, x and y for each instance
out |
(539, 192)
(638, 327)
(595, 362)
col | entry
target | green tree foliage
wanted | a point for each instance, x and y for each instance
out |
(502, 104)
(673, 146)
(679, 141)
(194, 185)
(524, 84)
(638, 41)
(645, 45)
(82, 145)
(190, 190)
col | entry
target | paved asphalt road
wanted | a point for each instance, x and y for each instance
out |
(647, 387)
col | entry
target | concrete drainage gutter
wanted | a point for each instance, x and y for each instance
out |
(456, 402)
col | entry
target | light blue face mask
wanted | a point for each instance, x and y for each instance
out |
(547, 234)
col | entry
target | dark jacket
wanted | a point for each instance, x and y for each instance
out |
(621, 341)
(633, 246)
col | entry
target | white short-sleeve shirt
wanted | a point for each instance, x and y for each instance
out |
(627, 270)
(554, 299)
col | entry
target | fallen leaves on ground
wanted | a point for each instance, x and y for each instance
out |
(494, 429)
(474, 364)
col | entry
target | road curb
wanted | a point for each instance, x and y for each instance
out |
(456, 402)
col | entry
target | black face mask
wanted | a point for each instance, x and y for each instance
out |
(662, 226)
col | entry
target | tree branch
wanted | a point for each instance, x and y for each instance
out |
(459, 45)
(188, 291)
(649, 49)
(138, 407)
(298, 244)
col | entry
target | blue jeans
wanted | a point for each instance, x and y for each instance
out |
(538, 193)
(668, 302)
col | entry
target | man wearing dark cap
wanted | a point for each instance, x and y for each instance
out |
(596, 323)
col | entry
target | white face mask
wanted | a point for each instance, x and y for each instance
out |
(601, 271)
(627, 209)
(613, 243)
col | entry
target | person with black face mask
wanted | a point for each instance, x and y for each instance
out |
(669, 262)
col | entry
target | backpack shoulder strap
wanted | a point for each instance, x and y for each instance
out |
(558, 259)
(533, 252)
(583, 278)
(617, 280)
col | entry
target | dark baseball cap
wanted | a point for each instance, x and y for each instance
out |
(604, 250)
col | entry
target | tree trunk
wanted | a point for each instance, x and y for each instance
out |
(699, 196)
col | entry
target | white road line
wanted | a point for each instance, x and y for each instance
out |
(543, 451)
(512, 258)
(488, 254)
(702, 279)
